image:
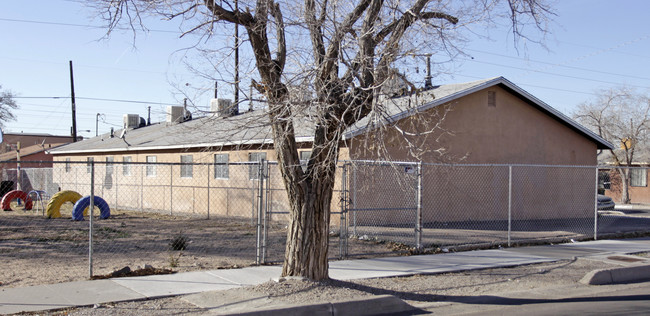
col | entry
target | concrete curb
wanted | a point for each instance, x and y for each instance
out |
(378, 305)
(632, 274)
(632, 207)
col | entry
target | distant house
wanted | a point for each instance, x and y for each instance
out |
(611, 182)
(29, 153)
(31, 150)
(493, 122)
(10, 141)
(29, 147)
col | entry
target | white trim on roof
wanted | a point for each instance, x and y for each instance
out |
(300, 139)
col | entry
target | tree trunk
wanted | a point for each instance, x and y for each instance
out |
(310, 195)
(625, 183)
(307, 238)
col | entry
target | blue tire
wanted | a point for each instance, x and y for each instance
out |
(84, 202)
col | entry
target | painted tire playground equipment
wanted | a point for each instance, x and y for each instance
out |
(54, 205)
(15, 194)
(81, 208)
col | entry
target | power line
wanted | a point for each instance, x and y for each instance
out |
(99, 99)
(552, 74)
(82, 25)
(560, 65)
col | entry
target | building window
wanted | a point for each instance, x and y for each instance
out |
(253, 169)
(89, 163)
(638, 177)
(186, 166)
(67, 165)
(151, 167)
(492, 98)
(221, 167)
(109, 165)
(126, 167)
(304, 159)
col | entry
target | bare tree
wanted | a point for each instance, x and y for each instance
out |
(622, 117)
(7, 104)
(342, 52)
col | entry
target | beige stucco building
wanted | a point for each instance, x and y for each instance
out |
(489, 121)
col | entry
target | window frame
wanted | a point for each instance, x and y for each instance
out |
(222, 168)
(126, 167)
(110, 160)
(187, 167)
(255, 156)
(150, 166)
(638, 177)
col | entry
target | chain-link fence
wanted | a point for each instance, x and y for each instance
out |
(192, 216)
(436, 206)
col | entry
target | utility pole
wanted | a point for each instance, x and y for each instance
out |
(237, 59)
(97, 125)
(74, 109)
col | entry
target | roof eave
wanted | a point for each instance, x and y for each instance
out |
(299, 139)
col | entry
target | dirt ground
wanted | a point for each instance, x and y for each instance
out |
(36, 250)
(416, 290)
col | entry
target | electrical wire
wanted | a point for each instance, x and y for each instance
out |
(97, 99)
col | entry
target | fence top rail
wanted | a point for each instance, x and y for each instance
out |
(98, 162)
(341, 162)
(415, 163)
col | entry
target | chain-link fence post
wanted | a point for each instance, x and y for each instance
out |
(260, 192)
(253, 193)
(354, 199)
(90, 221)
(418, 211)
(342, 223)
(208, 191)
(509, 203)
(171, 189)
(596, 208)
(142, 175)
(266, 174)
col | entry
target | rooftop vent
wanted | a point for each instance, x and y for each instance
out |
(131, 121)
(394, 85)
(175, 114)
(223, 107)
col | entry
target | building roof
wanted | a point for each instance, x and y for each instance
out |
(29, 150)
(34, 134)
(253, 128)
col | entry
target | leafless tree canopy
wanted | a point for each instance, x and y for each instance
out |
(326, 61)
(7, 104)
(622, 117)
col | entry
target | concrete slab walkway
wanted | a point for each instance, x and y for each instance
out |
(83, 293)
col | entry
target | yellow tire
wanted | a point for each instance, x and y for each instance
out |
(54, 205)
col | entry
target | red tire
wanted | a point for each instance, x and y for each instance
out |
(15, 194)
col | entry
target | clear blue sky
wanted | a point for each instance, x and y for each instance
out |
(594, 44)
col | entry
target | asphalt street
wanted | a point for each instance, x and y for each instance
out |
(627, 299)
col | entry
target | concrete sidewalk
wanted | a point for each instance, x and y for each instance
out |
(83, 293)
